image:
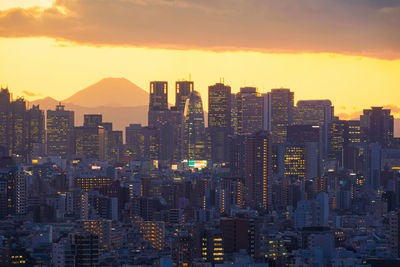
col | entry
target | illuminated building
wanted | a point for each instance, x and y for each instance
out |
(295, 161)
(36, 131)
(99, 228)
(182, 91)
(90, 142)
(60, 127)
(377, 126)
(193, 128)
(13, 193)
(153, 232)
(258, 169)
(250, 106)
(219, 121)
(212, 246)
(313, 112)
(134, 139)
(278, 113)
(5, 119)
(92, 183)
(18, 128)
(158, 96)
(182, 251)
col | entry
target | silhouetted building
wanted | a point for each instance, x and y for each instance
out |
(90, 142)
(60, 128)
(194, 136)
(5, 119)
(158, 96)
(250, 107)
(258, 169)
(278, 112)
(219, 121)
(91, 120)
(377, 126)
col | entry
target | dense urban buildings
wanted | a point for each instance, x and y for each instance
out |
(264, 183)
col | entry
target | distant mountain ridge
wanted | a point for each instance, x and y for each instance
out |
(119, 100)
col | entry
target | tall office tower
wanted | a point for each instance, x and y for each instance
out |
(303, 133)
(82, 249)
(295, 161)
(343, 137)
(278, 113)
(115, 143)
(250, 107)
(91, 120)
(134, 139)
(151, 143)
(90, 142)
(313, 112)
(12, 192)
(5, 119)
(258, 169)
(60, 128)
(219, 121)
(234, 114)
(158, 96)
(377, 126)
(169, 123)
(182, 91)
(18, 128)
(194, 136)
(36, 132)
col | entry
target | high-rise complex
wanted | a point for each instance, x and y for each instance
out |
(5, 119)
(60, 127)
(194, 136)
(219, 121)
(158, 96)
(278, 113)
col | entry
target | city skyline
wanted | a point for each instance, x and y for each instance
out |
(336, 54)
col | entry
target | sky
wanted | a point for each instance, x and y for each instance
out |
(347, 51)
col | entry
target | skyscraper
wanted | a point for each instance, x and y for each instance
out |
(36, 132)
(92, 119)
(182, 91)
(278, 113)
(219, 121)
(250, 106)
(158, 96)
(5, 119)
(258, 169)
(377, 126)
(194, 137)
(60, 127)
(18, 128)
(90, 142)
(313, 112)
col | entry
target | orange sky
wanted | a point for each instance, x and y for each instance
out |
(60, 48)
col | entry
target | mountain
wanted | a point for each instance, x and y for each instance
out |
(110, 92)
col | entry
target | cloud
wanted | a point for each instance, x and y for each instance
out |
(31, 94)
(355, 27)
